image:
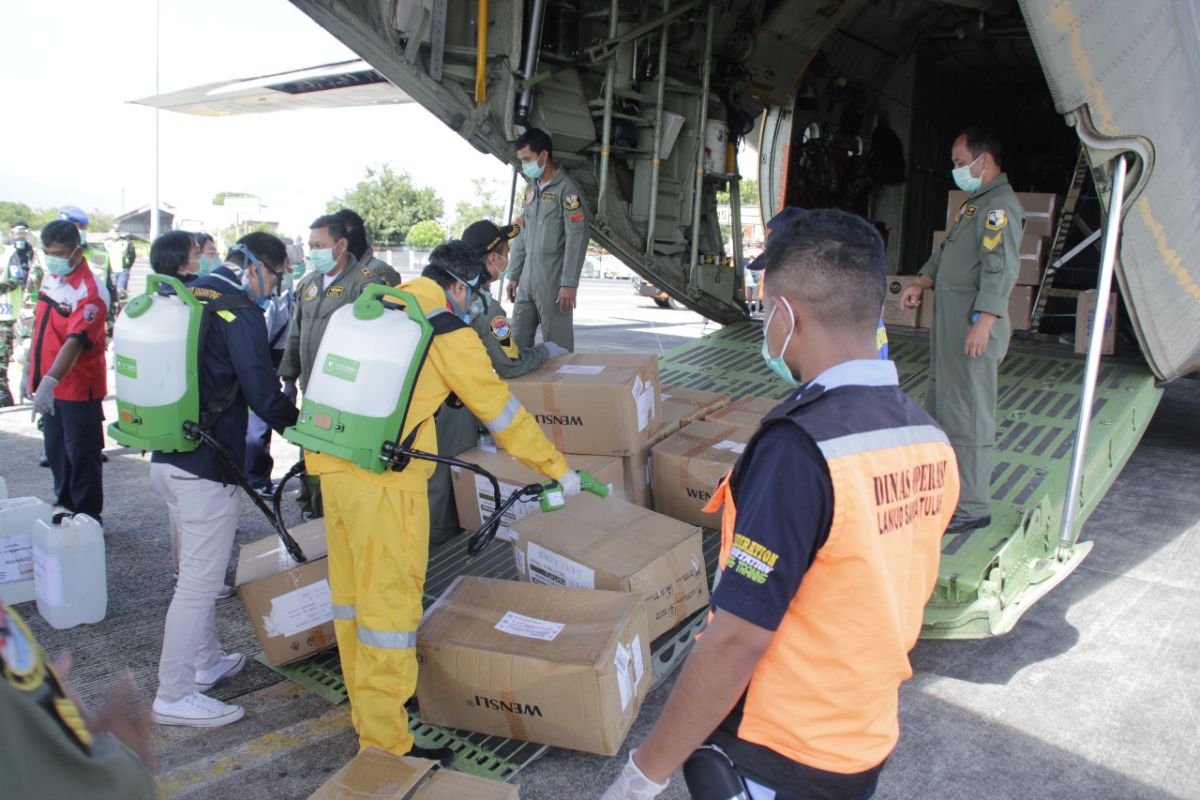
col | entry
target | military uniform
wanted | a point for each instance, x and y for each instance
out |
(315, 304)
(48, 750)
(547, 255)
(382, 271)
(101, 265)
(14, 269)
(457, 427)
(974, 271)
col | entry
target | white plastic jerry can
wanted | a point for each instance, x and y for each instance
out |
(17, 518)
(70, 580)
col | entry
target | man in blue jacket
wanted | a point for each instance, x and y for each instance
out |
(200, 487)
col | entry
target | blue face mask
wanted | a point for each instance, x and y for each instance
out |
(964, 180)
(532, 170)
(208, 264)
(776, 363)
(57, 265)
(474, 308)
(322, 260)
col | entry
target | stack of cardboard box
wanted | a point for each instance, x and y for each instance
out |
(1041, 217)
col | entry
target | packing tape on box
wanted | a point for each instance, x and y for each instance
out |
(556, 431)
(516, 725)
(703, 445)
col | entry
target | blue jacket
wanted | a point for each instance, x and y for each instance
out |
(234, 351)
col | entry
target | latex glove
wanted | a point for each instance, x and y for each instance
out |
(570, 483)
(632, 784)
(43, 400)
(554, 350)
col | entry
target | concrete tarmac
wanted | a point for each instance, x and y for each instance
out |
(1093, 695)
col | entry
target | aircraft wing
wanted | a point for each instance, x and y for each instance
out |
(343, 84)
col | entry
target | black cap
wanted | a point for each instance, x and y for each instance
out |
(776, 224)
(485, 235)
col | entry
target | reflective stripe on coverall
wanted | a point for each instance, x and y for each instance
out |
(377, 527)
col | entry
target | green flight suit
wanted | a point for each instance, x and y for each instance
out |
(458, 429)
(547, 255)
(382, 271)
(48, 751)
(11, 303)
(314, 306)
(974, 270)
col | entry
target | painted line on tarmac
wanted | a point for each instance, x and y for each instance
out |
(253, 753)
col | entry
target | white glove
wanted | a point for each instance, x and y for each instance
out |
(570, 483)
(43, 402)
(632, 784)
(554, 350)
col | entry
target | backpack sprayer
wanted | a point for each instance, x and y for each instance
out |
(358, 397)
(156, 347)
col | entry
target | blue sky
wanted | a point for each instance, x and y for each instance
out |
(70, 135)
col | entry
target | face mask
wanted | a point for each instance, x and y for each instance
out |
(57, 265)
(21, 244)
(776, 363)
(298, 271)
(532, 170)
(964, 180)
(208, 264)
(322, 260)
(83, 237)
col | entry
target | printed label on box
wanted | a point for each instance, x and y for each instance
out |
(487, 504)
(519, 557)
(580, 369)
(639, 667)
(16, 557)
(727, 444)
(643, 398)
(307, 607)
(553, 569)
(47, 577)
(623, 660)
(529, 627)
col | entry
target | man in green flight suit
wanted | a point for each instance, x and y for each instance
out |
(457, 428)
(337, 279)
(16, 261)
(972, 275)
(548, 255)
(357, 231)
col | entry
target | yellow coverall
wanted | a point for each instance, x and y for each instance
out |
(377, 527)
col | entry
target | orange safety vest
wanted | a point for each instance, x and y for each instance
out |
(825, 694)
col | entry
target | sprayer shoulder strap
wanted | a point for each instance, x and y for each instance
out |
(442, 322)
(217, 403)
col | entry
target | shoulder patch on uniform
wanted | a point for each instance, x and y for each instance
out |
(968, 211)
(500, 327)
(334, 291)
(993, 241)
(228, 316)
(90, 312)
(571, 202)
(997, 220)
(577, 217)
(310, 293)
(204, 293)
(529, 195)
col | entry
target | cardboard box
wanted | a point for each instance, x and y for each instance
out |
(893, 313)
(603, 404)
(563, 667)
(473, 493)
(1034, 252)
(954, 202)
(1085, 313)
(639, 471)
(289, 604)
(688, 466)
(617, 546)
(745, 412)
(939, 237)
(681, 406)
(374, 774)
(925, 312)
(1020, 307)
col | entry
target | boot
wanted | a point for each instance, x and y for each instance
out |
(6, 398)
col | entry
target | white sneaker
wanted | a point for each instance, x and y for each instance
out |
(225, 591)
(228, 665)
(196, 710)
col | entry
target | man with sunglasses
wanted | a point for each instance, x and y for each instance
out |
(236, 371)
(457, 427)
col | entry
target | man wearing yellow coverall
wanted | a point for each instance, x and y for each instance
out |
(377, 525)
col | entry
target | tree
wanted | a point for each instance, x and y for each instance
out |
(487, 205)
(12, 212)
(100, 221)
(220, 197)
(425, 235)
(389, 204)
(748, 194)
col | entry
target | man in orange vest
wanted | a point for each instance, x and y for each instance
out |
(831, 532)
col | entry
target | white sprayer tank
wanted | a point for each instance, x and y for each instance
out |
(17, 518)
(361, 364)
(150, 353)
(69, 571)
